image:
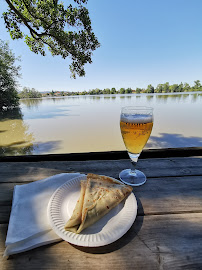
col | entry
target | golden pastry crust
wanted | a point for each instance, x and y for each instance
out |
(101, 194)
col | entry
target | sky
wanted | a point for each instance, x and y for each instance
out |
(142, 42)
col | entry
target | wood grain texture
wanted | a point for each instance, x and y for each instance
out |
(156, 196)
(153, 242)
(29, 171)
(167, 233)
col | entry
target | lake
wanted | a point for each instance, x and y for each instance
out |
(91, 123)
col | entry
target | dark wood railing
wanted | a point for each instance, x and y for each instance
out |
(111, 155)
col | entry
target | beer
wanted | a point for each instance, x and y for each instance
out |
(136, 125)
(135, 130)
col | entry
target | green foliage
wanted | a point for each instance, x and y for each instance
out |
(180, 87)
(98, 91)
(122, 90)
(128, 91)
(106, 91)
(197, 84)
(92, 92)
(150, 89)
(29, 93)
(173, 88)
(186, 87)
(47, 22)
(113, 90)
(8, 74)
(138, 90)
(166, 87)
(159, 88)
(84, 93)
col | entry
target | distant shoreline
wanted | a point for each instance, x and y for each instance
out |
(117, 94)
(163, 88)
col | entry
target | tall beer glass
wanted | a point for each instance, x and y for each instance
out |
(136, 125)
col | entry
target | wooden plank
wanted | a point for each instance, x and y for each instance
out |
(170, 195)
(5, 213)
(153, 242)
(156, 196)
(112, 155)
(29, 171)
(6, 193)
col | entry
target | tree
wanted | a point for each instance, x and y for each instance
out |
(122, 90)
(138, 90)
(92, 92)
(150, 89)
(113, 90)
(98, 91)
(174, 88)
(84, 93)
(166, 87)
(128, 91)
(186, 87)
(180, 87)
(197, 84)
(52, 93)
(159, 88)
(106, 91)
(8, 77)
(46, 22)
(30, 93)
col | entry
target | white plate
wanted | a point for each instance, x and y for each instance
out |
(105, 231)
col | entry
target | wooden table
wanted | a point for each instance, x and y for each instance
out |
(167, 233)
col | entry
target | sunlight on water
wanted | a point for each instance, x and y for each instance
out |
(91, 123)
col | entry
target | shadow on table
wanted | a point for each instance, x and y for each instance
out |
(168, 240)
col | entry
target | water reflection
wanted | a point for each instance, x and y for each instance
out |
(6, 115)
(125, 97)
(14, 136)
(165, 98)
(45, 108)
(94, 97)
(185, 96)
(166, 140)
(57, 99)
(149, 98)
(76, 123)
(194, 97)
(32, 102)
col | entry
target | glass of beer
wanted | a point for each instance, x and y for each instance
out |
(136, 125)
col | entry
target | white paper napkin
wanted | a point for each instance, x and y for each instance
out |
(28, 225)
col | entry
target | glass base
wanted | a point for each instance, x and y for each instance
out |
(132, 178)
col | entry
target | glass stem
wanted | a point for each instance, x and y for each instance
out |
(133, 159)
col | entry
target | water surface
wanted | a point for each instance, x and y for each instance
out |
(91, 123)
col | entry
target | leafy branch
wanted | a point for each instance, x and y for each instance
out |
(64, 31)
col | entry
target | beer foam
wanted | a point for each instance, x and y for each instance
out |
(136, 118)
